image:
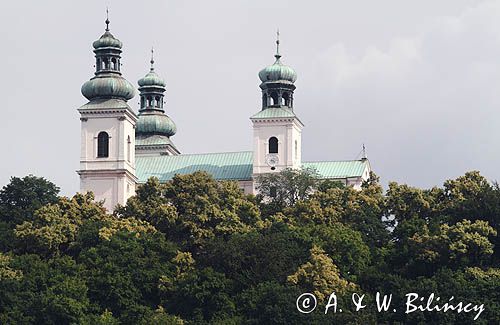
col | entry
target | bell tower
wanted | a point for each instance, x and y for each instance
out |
(154, 128)
(107, 161)
(277, 131)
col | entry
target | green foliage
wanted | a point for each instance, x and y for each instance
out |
(193, 208)
(23, 196)
(466, 243)
(284, 189)
(320, 276)
(18, 201)
(198, 251)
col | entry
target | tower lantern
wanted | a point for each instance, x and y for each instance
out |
(277, 82)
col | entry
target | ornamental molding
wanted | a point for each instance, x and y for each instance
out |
(107, 172)
(96, 112)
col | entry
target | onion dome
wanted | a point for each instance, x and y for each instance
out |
(108, 82)
(108, 87)
(277, 72)
(158, 123)
(107, 40)
(151, 79)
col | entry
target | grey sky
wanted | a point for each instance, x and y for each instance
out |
(416, 81)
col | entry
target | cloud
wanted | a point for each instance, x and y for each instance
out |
(428, 106)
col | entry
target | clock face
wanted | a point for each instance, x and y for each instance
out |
(272, 159)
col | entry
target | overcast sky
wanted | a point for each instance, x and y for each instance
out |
(417, 81)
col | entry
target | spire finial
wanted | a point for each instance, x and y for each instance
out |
(363, 157)
(277, 55)
(152, 58)
(107, 19)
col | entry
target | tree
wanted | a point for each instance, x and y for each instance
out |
(18, 201)
(123, 273)
(150, 204)
(54, 227)
(284, 189)
(6, 271)
(199, 296)
(23, 196)
(320, 276)
(464, 244)
(51, 291)
(269, 254)
(194, 208)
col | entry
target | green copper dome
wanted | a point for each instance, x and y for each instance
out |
(107, 40)
(278, 72)
(108, 86)
(151, 79)
(150, 123)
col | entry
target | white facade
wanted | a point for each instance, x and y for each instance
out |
(111, 178)
(288, 131)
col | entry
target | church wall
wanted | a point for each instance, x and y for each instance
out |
(286, 133)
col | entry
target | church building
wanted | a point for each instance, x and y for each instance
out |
(120, 149)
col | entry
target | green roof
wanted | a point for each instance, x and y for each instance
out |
(222, 166)
(109, 103)
(274, 112)
(232, 166)
(338, 169)
(152, 140)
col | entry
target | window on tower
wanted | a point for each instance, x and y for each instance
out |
(273, 145)
(102, 145)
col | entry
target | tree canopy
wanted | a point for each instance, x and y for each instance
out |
(198, 251)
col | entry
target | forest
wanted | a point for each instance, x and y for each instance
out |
(198, 251)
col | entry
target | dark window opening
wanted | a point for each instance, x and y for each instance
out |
(102, 145)
(286, 99)
(274, 99)
(272, 192)
(273, 145)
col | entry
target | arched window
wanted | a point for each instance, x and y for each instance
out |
(157, 101)
(113, 64)
(274, 99)
(296, 150)
(273, 145)
(102, 145)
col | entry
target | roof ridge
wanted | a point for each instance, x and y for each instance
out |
(203, 154)
(326, 161)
